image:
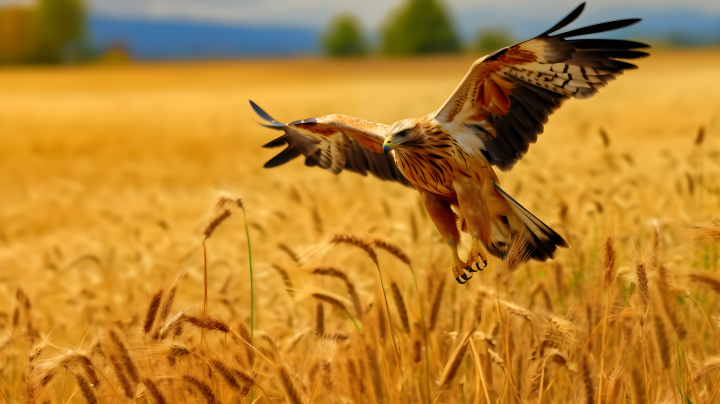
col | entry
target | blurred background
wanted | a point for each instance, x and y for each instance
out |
(71, 31)
(120, 121)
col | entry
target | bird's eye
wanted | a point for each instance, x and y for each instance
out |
(403, 133)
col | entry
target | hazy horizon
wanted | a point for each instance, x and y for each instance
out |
(371, 13)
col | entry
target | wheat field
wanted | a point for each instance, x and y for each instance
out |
(112, 178)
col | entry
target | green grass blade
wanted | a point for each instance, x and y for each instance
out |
(252, 300)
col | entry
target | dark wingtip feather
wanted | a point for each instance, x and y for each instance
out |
(273, 127)
(265, 116)
(282, 140)
(615, 44)
(282, 158)
(602, 27)
(567, 20)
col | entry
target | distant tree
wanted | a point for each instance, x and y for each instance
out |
(420, 27)
(60, 32)
(490, 40)
(17, 22)
(344, 37)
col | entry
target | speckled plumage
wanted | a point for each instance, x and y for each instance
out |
(490, 119)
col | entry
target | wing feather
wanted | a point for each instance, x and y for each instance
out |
(335, 143)
(507, 96)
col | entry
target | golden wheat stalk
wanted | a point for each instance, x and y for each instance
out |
(709, 230)
(453, 363)
(400, 306)
(713, 282)
(608, 271)
(481, 376)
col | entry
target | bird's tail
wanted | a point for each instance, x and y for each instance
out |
(542, 241)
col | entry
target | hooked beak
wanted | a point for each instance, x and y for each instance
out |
(387, 146)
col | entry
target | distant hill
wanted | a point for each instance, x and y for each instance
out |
(175, 39)
(169, 39)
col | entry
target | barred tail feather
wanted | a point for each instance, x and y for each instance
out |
(543, 240)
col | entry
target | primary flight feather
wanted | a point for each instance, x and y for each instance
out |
(490, 119)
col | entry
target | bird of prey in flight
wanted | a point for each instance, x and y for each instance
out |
(490, 119)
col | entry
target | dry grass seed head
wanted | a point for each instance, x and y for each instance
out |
(540, 288)
(604, 136)
(171, 325)
(637, 385)
(216, 220)
(392, 249)
(120, 373)
(453, 363)
(152, 310)
(204, 389)
(663, 342)
(400, 306)
(700, 136)
(268, 347)
(249, 352)
(154, 391)
(353, 381)
(642, 282)
(354, 240)
(609, 256)
(287, 250)
(317, 220)
(226, 373)
(709, 367)
(168, 303)
(226, 199)
(330, 271)
(336, 273)
(655, 257)
(535, 373)
(435, 306)
(709, 230)
(671, 306)
(333, 300)
(707, 279)
(587, 380)
(320, 321)
(125, 357)
(479, 301)
(291, 390)
(87, 367)
(417, 349)
(326, 366)
(178, 350)
(36, 351)
(245, 378)
(86, 389)
(286, 279)
(208, 323)
(382, 325)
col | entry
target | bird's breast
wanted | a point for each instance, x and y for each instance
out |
(430, 170)
(434, 169)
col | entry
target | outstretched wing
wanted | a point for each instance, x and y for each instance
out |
(507, 96)
(335, 143)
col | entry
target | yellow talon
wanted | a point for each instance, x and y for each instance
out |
(477, 254)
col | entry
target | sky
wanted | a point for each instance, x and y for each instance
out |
(372, 13)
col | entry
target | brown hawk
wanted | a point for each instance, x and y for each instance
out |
(490, 119)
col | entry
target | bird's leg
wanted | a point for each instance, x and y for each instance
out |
(476, 213)
(461, 271)
(445, 220)
(476, 255)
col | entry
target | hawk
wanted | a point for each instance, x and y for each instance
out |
(490, 119)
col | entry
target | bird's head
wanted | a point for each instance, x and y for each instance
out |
(399, 133)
